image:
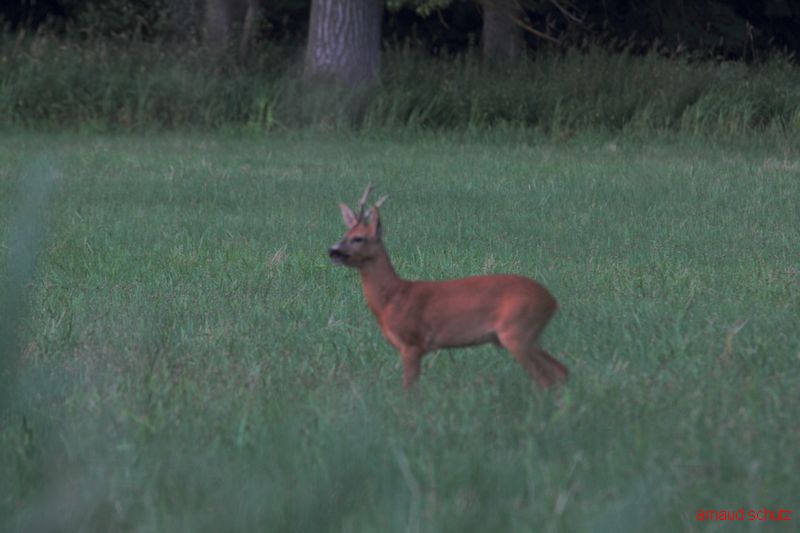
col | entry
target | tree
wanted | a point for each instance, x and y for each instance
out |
(342, 55)
(501, 34)
(344, 41)
(501, 37)
(225, 19)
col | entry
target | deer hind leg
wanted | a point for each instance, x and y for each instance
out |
(556, 369)
(522, 353)
(543, 368)
(411, 366)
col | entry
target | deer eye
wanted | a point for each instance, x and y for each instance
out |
(357, 239)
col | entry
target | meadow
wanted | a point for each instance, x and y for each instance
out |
(184, 357)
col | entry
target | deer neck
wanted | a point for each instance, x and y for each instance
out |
(380, 282)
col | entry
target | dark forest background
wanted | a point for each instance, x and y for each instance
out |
(725, 28)
(712, 65)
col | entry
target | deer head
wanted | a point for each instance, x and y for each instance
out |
(362, 240)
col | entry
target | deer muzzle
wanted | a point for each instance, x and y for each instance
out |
(338, 257)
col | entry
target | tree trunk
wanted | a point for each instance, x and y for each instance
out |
(229, 22)
(344, 38)
(342, 58)
(501, 38)
(218, 22)
(248, 29)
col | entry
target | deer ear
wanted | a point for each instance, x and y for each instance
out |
(375, 222)
(349, 218)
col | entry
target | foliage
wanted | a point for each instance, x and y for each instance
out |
(192, 362)
(733, 28)
(423, 7)
(125, 20)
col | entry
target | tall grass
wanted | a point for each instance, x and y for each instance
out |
(107, 85)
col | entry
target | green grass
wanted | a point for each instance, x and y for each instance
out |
(190, 361)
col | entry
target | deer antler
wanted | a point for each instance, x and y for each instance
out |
(363, 201)
(380, 202)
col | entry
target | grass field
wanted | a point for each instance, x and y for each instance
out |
(190, 361)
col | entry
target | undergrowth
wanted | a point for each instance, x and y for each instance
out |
(50, 82)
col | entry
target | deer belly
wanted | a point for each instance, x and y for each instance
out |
(453, 331)
(461, 322)
(458, 336)
(428, 335)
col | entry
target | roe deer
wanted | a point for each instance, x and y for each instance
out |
(417, 317)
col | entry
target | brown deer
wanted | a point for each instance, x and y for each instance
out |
(417, 317)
